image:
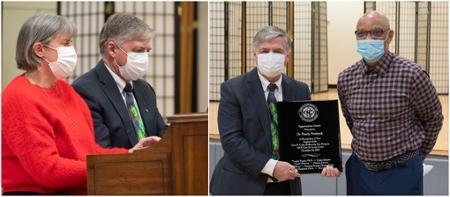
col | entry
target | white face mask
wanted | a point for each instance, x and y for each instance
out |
(66, 62)
(136, 66)
(270, 64)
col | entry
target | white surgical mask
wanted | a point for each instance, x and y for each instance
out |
(136, 66)
(65, 64)
(270, 64)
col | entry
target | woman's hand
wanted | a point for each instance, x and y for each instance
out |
(145, 143)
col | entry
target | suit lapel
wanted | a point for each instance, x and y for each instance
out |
(258, 100)
(109, 87)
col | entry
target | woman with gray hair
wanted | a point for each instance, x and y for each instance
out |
(47, 129)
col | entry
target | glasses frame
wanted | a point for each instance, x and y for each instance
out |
(376, 34)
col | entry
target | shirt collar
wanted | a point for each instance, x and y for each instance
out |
(119, 81)
(265, 82)
(381, 68)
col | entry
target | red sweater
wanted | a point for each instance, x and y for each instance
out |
(46, 135)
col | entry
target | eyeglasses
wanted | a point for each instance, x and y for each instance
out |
(376, 34)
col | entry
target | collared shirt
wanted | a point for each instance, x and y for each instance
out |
(278, 93)
(121, 86)
(391, 109)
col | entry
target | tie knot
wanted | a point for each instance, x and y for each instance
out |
(272, 87)
(128, 88)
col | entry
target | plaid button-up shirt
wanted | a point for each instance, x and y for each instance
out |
(390, 109)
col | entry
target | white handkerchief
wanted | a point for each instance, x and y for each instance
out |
(427, 168)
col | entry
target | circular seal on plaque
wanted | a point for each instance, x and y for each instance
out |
(308, 112)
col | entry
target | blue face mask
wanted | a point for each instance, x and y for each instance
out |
(371, 50)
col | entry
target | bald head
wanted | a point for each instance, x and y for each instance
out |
(373, 19)
(374, 26)
(378, 26)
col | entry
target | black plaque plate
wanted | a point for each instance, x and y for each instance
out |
(309, 135)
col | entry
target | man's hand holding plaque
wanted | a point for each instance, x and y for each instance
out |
(284, 171)
(330, 171)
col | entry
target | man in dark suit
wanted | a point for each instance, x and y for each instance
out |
(247, 126)
(123, 107)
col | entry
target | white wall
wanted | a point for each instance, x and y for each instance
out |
(202, 57)
(14, 15)
(342, 18)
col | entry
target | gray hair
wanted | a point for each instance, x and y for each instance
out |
(121, 27)
(39, 28)
(269, 33)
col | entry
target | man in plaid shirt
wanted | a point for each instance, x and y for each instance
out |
(393, 112)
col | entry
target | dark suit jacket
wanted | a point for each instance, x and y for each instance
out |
(244, 126)
(112, 123)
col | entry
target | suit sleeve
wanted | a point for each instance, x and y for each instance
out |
(232, 136)
(102, 133)
(307, 91)
(98, 148)
(160, 124)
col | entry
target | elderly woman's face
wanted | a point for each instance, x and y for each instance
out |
(60, 40)
(136, 46)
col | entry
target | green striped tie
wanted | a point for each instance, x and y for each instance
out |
(271, 103)
(134, 114)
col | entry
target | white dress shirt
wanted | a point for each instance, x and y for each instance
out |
(278, 93)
